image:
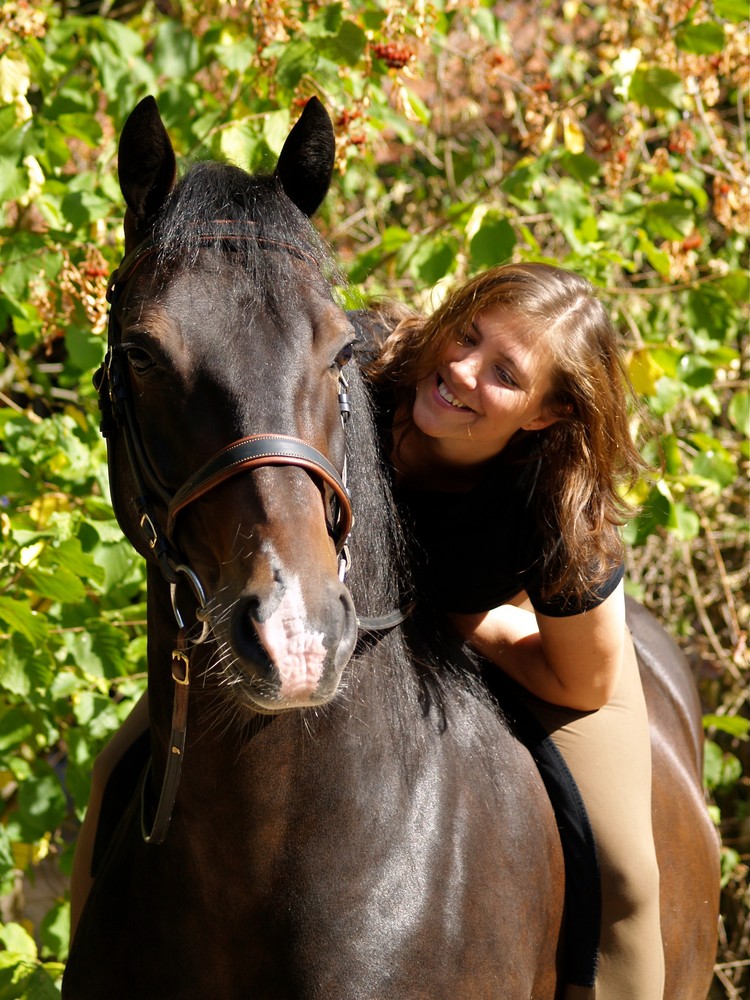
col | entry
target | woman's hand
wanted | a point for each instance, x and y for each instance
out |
(573, 662)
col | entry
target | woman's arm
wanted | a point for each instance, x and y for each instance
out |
(573, 662)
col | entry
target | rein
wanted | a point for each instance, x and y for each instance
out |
(247, 453)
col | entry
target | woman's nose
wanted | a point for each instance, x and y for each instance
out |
(464, 370)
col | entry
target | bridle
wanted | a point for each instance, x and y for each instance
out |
(241, 455)
(247, 453)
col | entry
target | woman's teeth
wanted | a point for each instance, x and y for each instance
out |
(449, 397)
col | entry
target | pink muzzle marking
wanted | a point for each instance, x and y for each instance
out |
(297, 652)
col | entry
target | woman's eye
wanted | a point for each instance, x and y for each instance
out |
(344, 356)
(504, 377)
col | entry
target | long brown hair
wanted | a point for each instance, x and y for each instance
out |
(588, 453)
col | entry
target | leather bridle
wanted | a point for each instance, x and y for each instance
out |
(242, 455)
(247, 453)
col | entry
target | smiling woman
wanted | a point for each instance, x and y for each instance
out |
(505, 417)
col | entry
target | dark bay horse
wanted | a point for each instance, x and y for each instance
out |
(349, 815)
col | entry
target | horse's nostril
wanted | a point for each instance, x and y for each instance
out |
(244, 638)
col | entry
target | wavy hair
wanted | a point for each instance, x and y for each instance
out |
(587, 454)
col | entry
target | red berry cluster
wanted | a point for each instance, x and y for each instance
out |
(394, 54)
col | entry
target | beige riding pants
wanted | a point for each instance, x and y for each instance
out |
(609, 754)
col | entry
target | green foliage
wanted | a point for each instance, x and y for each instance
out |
(609, 139)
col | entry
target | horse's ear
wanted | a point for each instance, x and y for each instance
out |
(306, 162)
(146, 166)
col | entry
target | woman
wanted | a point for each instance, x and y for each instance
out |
(504, 418)
(509, 438)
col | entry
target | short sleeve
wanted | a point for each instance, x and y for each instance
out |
(567, 605)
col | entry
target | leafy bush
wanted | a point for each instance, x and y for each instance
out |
(608, 138)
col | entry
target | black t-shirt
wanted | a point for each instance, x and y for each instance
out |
(478, 549)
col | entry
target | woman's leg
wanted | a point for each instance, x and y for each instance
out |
(81, 878)
(609, 755)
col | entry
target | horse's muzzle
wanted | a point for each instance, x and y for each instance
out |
(286, 655)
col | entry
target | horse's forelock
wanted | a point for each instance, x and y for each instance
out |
(273, 234)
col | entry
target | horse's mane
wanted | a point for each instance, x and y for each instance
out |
(425, 649)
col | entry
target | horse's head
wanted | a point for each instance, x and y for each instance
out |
(222, 389)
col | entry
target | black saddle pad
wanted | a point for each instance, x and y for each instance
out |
(583, 898)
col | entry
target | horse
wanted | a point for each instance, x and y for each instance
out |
(334, 804)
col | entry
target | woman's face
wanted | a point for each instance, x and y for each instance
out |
(491, 383)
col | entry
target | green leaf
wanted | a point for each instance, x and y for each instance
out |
(716, 465)
(434, 258)
(18, 940)
(720, 770)
(43, 983)
(81, 208)
(239, 144)
(326, 22)
(658, 259)
(703, 38)
(491, 27)
(730, 859)
(57, 584)
(19, 616)
(731, 10)
(85, 348)
(492, 243)
(710, 311)
(15, 728)
(296, 58)
(655, 513)
(11, 479)
(276, 129)
(733, 725)
(672, 219)
(393, 238)
(82, 126)
(738, 411)
(54, 932)
(41, 804)
(347, 46)
(656, 88)
(570, 205)
(582, 167)
(236, 55)
(176, 51)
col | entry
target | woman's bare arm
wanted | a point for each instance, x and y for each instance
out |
(573, 662)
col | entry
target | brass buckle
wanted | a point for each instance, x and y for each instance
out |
(179, 657)
(149, 531)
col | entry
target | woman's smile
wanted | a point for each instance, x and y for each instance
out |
(490, 383)
(448, 396)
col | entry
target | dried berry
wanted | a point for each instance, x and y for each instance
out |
(394, 54)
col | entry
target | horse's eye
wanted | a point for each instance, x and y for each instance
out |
(345, 355)
(139, 360)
